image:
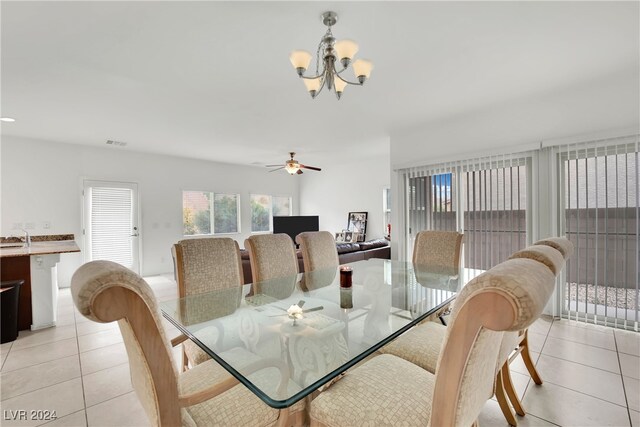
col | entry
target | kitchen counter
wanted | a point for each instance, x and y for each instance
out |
(37, 266)
(38, 248)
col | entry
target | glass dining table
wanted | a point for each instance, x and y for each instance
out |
(288, 337)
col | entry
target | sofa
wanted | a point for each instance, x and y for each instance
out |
(347, 252)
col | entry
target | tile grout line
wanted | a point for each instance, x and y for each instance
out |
(84, 397)
(624, 389)
(578, 363)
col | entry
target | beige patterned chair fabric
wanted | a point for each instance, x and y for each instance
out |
(318, 250)
(509, 297)
(547, 255)
(274, 264)
(561, 244)
(438, 250)
(104, 291)
(420, 345)
(205, 265)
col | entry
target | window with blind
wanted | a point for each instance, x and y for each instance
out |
(600, 204)
(111, 225)
(210, 213)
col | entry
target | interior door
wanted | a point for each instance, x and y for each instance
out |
(111, 230)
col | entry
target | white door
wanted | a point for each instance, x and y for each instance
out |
(111, 229)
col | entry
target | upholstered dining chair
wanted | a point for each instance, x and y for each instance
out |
(388, 390)
(319, 257)
(438, 252)
(274, 264)
(104, 291)
(204, 265)
(422, 345)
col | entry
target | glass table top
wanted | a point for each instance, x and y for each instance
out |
(283, 353)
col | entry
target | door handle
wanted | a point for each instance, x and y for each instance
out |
(135, 235)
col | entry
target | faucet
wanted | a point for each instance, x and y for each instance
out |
(27, 239)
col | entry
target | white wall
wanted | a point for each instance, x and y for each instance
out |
(42, 181)
(343, 187)
(611, 103)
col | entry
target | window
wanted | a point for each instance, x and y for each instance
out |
(264, 207)
(260, 213)
(196, 213)
(281, 205)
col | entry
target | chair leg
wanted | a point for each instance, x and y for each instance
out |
(185, 360)
(528, 362)
(502, 401)
(511, 392)
(283, 417)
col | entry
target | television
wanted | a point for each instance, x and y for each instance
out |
(294, 225)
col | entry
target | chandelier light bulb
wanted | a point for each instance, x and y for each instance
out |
(300, 59)
(340, 85)
(313, 85)
(362, 69)
(346, 50)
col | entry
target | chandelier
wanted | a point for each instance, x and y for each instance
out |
(329, 50)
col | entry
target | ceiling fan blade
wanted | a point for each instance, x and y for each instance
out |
(313, 168)
(273, 170)
(273, 166)
(299, 172)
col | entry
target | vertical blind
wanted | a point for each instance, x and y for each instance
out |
(600, 202)
(485, 198)
(111, 225)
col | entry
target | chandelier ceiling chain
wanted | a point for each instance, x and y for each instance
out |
(328, 51)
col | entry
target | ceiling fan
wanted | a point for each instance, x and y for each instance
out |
(292, 166)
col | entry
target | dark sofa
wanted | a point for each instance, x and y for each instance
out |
(347, 252)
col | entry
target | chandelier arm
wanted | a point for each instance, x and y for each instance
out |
(312, 78)
(347, 81)
(321, 87)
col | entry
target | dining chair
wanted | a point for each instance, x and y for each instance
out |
(422, 345)
(319, 257)
(204, 265)
(388, 390)
(439, 252)
(206, 394)
(274, 264)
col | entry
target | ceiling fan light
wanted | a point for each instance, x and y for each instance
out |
(300, 59)
(362, 69)
(292, 168)
(346, 49)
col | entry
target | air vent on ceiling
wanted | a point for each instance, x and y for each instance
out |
(118, 143)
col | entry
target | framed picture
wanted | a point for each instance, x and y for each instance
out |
(357, 223)
(340, 237)
(348, 236)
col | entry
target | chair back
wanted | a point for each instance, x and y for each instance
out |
(561, 244)
(318, 250)
(274, 264)
(207, 264)
(509, 297)
(104, 291)
(547, 255)
(438, 249)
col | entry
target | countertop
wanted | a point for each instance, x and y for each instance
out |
(40, 248)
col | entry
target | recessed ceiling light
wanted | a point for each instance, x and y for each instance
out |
(7, 119)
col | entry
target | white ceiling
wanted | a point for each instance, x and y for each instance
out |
(212, 80)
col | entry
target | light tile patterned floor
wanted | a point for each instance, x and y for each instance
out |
(80, 370)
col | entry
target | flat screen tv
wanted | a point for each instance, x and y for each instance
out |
(294, 225)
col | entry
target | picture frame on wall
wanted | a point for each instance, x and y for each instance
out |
(357, 223)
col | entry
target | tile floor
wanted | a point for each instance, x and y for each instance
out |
(80, 370)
